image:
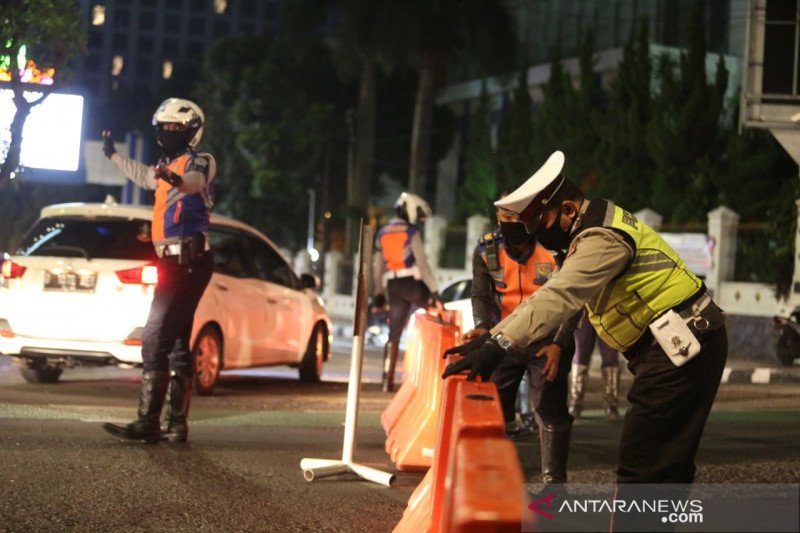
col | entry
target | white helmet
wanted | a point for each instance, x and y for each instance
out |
(181, 111)
(412, 208)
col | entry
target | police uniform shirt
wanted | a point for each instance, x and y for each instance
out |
(595, 257)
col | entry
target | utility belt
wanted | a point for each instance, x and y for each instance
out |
(187, 249)
(410, 272)
(680, 329)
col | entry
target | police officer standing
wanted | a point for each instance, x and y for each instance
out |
(641, 299)
(508, 267)
(400, 268)
(183, 182)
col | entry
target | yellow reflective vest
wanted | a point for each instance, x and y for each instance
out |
(655, 281)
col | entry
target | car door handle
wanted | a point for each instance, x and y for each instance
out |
(271, 301)
(221, 287)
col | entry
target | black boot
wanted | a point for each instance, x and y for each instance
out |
(555, 450)
(151, 399)
(179, 398)
(389, 362)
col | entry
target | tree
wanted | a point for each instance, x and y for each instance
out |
(515, 161)
(626, 168)
(684, 137)
(50, 32)
(274, 122)
(551, 122)
(480, 187)
(482, 30)
(369, 38)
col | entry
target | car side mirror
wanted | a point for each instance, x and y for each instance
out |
(309, 281)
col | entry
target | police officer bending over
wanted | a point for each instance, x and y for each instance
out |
(508, 267)
(641, 299)
(184, 185)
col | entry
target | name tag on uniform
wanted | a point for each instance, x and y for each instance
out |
(543, 273)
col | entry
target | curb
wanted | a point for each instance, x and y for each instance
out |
(760, 375)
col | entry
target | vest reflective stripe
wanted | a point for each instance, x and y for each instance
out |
(656, 280)
(515, 282)
(395, 243)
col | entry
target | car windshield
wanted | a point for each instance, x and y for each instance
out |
(95, 238)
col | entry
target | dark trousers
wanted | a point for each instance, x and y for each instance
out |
(165, 343)
(585, 338)
(403, 294)
(669, 408)
(548, 398)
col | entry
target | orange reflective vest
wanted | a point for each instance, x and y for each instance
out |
(176, 214)
(394, 242)
(514, 279)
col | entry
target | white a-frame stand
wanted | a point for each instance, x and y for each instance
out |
(318, 468)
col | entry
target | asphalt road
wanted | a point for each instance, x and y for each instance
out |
(240, 470)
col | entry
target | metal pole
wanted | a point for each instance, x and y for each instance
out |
(357, 357)
(318, 468)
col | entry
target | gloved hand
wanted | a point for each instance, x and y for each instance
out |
(434, 302)
(164, 173)
(378, 303)
(481, 356)
(108, 144)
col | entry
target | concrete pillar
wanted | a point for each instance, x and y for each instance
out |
(332, 260)
(649, 217)
(795, 290)
(723, 224)
(477, 226)
(435, 228)
(302, 262)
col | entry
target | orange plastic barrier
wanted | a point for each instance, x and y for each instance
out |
(449, 497)
(410, 442)
(407, 390)
(481, 496)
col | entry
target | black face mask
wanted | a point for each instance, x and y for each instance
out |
(172, 143)
(554, 237)
(514, 233)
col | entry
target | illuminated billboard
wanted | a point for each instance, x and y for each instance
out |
(51, 137)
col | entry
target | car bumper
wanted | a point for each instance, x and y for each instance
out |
(79, 352)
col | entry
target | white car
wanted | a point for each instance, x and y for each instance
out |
(77, 291)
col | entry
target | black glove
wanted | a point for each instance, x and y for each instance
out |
(108, 145)
(434, 300)
(481, 356)
(379, 301)
(163, 173)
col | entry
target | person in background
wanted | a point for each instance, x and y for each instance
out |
(400, 268)
(585, 339)
(508, 267)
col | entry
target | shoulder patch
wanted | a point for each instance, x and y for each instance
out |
(199, 164)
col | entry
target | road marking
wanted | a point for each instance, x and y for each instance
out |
(761, 375)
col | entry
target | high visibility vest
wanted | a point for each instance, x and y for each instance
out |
(176, 214)
(394, 242)
(514, 279)
(655, 281)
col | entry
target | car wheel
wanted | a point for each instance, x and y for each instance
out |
(41, 374)
(208, 360)
(311, 365)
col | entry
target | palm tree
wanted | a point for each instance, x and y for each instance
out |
(476, 33)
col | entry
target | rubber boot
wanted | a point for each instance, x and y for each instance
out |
(389, 361)
(578, 377)
(151, 399)
(179, 400)
(554, 441)
(611, 379)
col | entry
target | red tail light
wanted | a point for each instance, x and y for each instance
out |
(146, 275)
(11, 270)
